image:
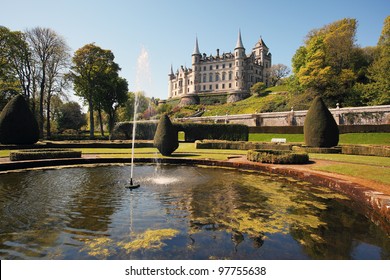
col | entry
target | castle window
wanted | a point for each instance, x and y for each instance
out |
(216, 86)
(211, 67)
(217, 77)
(230, 65)
(211, 87)
(211, 77)
(230, 85)
(230, 75)
(204, 68)
(223, 76)
(223, 86)
(204, 78)
(204, 87)
(217, 66)
(223, 66)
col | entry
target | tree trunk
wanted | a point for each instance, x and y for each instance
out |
(41, 99)
(91, 120)
(48, 128)
(101, 121)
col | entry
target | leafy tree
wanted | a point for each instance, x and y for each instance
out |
(92, 66)
(258, 89)
(48, 50)
(379, 71)
(325, 65)
(70, 116)
(277, 72)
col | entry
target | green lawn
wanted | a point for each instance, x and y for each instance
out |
(375, 173)
(349, 138)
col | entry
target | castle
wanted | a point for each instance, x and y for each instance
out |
(227, 73)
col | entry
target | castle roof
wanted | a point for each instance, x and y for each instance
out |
(261, 43)
(239, 44)
(196, 48)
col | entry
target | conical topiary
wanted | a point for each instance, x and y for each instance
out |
(17, 123)
(165, 138)
(320, 128)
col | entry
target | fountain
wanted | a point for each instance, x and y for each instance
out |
(142, 81)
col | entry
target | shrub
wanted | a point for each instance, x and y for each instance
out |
(240, 145)
(166, 137)
(277, 157)
(381, 151)
(320, 128)
(124, 131)
(35, 154)
(17, 123)
(199, 131)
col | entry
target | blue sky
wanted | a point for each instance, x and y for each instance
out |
(166, 30)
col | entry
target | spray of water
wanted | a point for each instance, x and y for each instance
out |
(142, 82)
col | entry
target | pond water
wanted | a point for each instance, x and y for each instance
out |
(179, 212)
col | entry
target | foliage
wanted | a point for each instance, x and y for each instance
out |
(36, 154)
(325, 65)
(278, 72)
(17, 123)
(71, 117)
(166, 138)
(258, 89)
(95, 77)
(51, 56)
(198, 131)
(320, 128)
(379, 71)
(277, 157)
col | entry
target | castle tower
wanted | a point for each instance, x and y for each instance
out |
(196, 57)
(239, 56)
(170, 83)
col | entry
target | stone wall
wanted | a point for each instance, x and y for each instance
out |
(370, 115)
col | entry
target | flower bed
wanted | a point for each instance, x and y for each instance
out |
(35, 154)
(277, 157)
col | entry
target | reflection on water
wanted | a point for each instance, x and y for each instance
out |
(180, 212)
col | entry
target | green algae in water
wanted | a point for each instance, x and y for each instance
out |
(205, 213)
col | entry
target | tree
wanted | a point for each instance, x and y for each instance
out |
(277, 72)
(48, 48)
(17, 123)
(258, 88)
(320, 128)
(379, 70)
(70, 116)
(166, 136)
(325, 65)
(96, 79)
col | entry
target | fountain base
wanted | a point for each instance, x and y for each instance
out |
(132, 186)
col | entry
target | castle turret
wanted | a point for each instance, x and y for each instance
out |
(239, 56)
(196, 57)
(170, 83)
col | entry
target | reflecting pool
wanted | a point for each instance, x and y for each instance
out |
(179, 212)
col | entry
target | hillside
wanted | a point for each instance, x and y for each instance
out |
(274, 100)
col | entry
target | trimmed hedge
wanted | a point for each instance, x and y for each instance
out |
(35, 154)
(240, 145)
(381, 151)
(193, 131)
(317, 150)
(199, 131)
(277, 157)
(343, 129)
(166, 138)
(320, 129)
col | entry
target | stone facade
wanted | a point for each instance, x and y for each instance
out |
(230, 73)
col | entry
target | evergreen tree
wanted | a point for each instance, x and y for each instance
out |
(17, 123)
(166, 138)
(320, 128)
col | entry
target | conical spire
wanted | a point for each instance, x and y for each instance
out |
(239, 44)
(196, 49)
(172, 70)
